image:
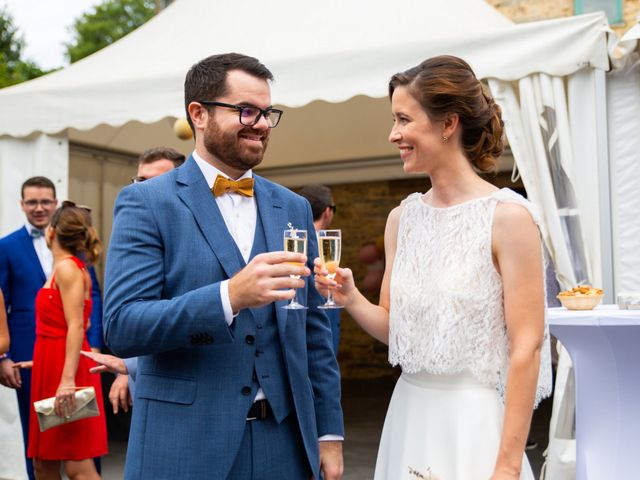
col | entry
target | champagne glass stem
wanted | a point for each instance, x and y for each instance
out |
(329, 298)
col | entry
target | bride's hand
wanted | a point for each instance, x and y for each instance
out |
(342, 286)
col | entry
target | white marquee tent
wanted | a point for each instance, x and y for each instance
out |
(332, 61)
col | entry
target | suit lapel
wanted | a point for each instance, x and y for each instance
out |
(194, 192)
(30, 251)
(274, 220)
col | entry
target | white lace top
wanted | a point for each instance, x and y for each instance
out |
(446, 312)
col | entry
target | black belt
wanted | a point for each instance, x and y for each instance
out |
(260, 410)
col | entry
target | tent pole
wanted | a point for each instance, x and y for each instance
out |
(604, 186)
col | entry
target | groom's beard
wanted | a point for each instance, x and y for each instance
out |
(231, 149)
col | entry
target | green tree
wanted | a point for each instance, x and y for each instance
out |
(13, 69)
(106, 23)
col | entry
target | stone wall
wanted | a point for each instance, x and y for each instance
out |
(362, 210)
(521, 11)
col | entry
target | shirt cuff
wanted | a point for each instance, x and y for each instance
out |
(226, 303)
(331, 438)
(132, 366)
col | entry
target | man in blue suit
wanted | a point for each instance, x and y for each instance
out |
(25, 264)
(229, 384)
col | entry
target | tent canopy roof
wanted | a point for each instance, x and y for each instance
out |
(331, 50)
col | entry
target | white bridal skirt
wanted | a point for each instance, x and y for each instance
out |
(442, 427)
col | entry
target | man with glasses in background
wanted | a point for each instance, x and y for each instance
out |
(151, 163)
(25, 265)
(156, 161)
(229, 384)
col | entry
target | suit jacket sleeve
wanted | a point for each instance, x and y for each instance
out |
(140, 319)
(94, 334)
(323, 366)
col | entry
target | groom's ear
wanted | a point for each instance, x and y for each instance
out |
(199, 115)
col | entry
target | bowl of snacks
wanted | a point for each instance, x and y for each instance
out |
(582, 297)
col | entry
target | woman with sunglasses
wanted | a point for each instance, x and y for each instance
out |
(63, 307)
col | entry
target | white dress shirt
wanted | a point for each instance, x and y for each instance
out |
(44, 254)
(240, 214)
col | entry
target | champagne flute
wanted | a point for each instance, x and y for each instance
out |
(330, 246)
(295, 241)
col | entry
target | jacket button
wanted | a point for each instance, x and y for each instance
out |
(245, 391)
(249, 339)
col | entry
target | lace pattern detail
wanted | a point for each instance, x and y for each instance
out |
(446, 312)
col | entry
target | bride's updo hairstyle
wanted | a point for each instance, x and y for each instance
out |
(446, 84)
(72, 226)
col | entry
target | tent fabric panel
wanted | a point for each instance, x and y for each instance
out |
(136, 79)
(623, 102)
(23, 158)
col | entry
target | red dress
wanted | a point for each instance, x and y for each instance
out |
(86, 438)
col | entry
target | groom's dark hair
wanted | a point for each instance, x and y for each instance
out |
(207, 79)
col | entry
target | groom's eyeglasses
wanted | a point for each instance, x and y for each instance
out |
(250, 115)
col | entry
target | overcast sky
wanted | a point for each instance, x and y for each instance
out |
(43, 25)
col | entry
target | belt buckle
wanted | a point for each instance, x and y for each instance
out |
(263, 411)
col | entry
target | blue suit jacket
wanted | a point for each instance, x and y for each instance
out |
(21, 276)
(169, 252)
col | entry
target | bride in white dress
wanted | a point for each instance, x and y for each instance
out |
(462, 300)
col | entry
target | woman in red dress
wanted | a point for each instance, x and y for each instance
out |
(63, 307)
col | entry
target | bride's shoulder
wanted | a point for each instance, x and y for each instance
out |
(513, 206)
(396, 213)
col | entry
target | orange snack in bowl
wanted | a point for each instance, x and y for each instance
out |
(582, 291)
(582, 297)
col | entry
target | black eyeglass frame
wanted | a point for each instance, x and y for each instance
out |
(33, 203)
(263, 112)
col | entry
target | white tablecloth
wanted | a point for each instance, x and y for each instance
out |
(604, 345)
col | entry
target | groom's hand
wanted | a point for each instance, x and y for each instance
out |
(331, 463)
(266, 279)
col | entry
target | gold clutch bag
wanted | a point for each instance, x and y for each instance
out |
(86, 407)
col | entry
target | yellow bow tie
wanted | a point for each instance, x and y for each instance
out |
(224, 185)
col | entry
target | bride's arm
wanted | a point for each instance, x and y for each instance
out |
(374, 319)
(517, 251)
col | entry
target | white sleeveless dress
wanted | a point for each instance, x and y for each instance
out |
(448, 333)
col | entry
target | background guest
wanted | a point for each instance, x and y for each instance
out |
(63, 307)
(25, 265)
(323, 209)
(151, 163)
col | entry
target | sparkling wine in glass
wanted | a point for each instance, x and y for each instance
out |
(295, 241)
(330, 246)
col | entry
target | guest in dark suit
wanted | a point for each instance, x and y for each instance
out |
(323, 209)
(229, 384)
(25, 264)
